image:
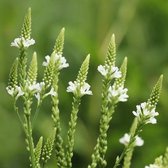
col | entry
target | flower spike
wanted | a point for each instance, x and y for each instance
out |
(32, 72)
(59, 44)
(154, 97)
(111, 52)
(26, 29)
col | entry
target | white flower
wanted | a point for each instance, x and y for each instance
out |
(37, 87)
(45, 63)
(19, 91)
(112, 71)
(72, 87)
(52, 92)
(63, 63)
(37, 95)
(58, 58)
(75, 88)
(85, 89)
(102, 70)
(18, 42)
(126, 139)
(144, 111)
(15, 91)
(119, 93)
(152, 166)
(139, 141)
(10, 90)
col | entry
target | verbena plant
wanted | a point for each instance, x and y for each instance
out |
(26, 92)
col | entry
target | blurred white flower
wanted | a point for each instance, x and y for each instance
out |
(75, 88)
(119, 93)
(58, 59)
(126, 139)
(18, 42)
(45, 63)
(147, 112)
(112, 72)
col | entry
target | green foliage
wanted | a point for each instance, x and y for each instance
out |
(110, 98)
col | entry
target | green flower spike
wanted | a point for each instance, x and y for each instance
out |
(37, 152)
(78, 88)
(59, 44)
(13, 75)
(154, 97)
(111, 52)
(32, 72)
(48, 148)
(26, 28)
(109, 72)
(145, 114)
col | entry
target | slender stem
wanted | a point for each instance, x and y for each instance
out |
(30, 140)
(28, 131)
(71, 131)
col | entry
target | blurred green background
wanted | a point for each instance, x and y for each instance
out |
(141, 29)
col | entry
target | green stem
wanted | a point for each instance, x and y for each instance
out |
(59, 150)
(98, 156)
(28, 131)
(71, 131)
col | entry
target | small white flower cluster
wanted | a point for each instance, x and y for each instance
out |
(34, 88)
(118, 93)
(111, 72)
(17, 91)
(19, 42)
(145, 111)
(152, 166)
(76, 89)
(58, 58)
(126, 139)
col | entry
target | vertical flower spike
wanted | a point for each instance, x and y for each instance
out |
(154, 97)
(26, 29)
(48, 148)
(80, 87)
(109, 71)
(49, 71)
(37, 152)
(59, 44)
(32, 72)
(13, 75)
(111, 52)
(82, 75)
(117, 92)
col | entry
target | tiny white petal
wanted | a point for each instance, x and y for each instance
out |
(10, 90)
(72, 87)
(85, 89)
(125, 139)
(45, 63)
(139, 141)
(102, 70)
(52, 92)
